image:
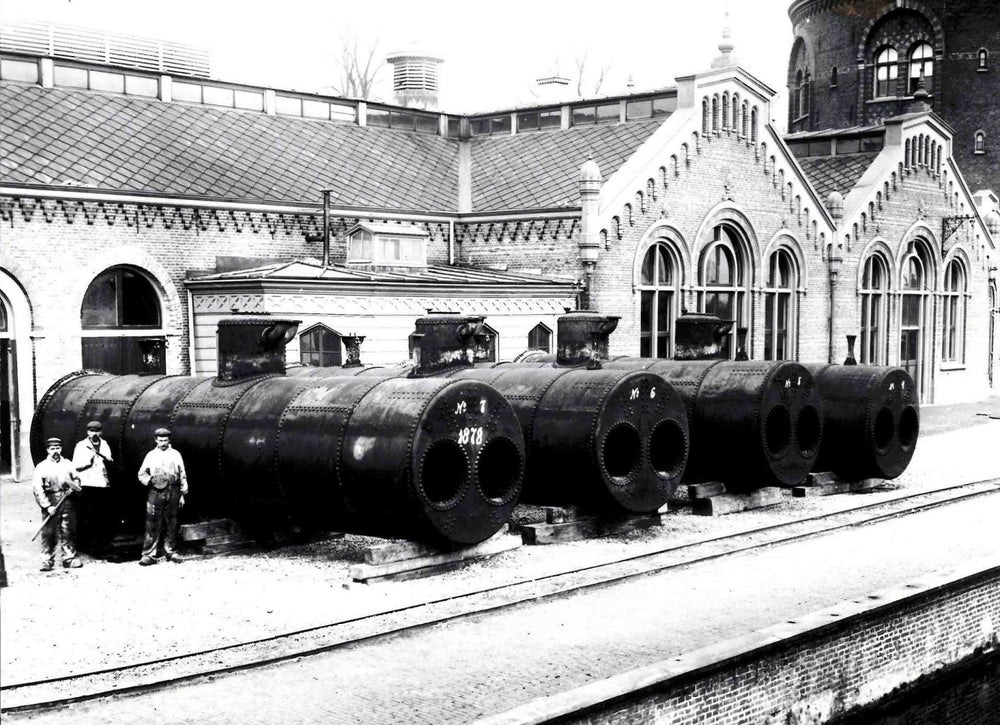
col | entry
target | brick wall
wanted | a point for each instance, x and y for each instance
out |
(962, 95)
(804, 671)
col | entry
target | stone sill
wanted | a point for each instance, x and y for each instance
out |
(946, 367)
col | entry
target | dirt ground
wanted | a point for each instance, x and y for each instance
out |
(107, 614)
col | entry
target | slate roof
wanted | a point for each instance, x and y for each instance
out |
(299, 270)
(541, 169)
(128, 144)
(120, 143)
(836, 173)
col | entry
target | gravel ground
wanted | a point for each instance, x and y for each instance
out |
(108, 614)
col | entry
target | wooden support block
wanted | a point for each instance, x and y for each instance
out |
(821, 478)
(731, 503)
(204, 529)
(394, 551)
(830, 489)
(584, 528)
(704, 490)
(431, 564)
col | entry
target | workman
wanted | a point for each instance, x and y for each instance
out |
(162, 473)
(92, 456)
(91, 459)
(55, 485)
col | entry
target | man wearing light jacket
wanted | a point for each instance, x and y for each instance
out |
(55, 482)
(162, 473)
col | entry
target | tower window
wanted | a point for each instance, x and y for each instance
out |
(982, 59)
(921, 65)
(886, 72)
(980, 145)
(833, 77)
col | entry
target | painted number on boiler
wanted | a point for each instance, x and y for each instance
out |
(472, 436)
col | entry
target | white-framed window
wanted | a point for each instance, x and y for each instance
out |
(375, 246)
(659, 280)
(954, 302)
(540, 338)
(921, 64)
(980, 143)
(320, 346)
(982, 60)
(780, 309)
(723, 281)
(874, 295)
(886, 71)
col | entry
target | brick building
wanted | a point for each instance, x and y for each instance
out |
(143, 205)
(857, 62)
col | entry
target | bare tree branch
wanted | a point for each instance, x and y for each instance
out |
(357, 69)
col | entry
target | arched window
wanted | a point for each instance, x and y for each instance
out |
(8, 399)
(743, 119)
(540, 338)
(704, 116)
(874, 293)
(886, 72)
(780, 318)
(982, 59)
(485, 349)
(319, 346)
(659, 281)
(753, 125)
(723, 280)
(715, 113)
(916, 281)
(797, 95)
(954, 313)
(120, 312)
(833, 77)
(980, 146)
(921, 64)
(725, 111)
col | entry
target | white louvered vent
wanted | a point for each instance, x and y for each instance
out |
(95, 46)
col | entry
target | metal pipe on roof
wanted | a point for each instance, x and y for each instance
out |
(326, 228)
(451, 242)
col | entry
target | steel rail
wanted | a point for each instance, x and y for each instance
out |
(613, 578)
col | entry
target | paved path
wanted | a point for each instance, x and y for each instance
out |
(457, 671)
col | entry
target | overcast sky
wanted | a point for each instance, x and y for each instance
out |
(493, 51)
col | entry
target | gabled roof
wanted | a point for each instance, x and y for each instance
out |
(836, 173)
(129, 144)
(434, 275)
(541, 169)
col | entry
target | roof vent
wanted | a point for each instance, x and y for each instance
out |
(415, 78)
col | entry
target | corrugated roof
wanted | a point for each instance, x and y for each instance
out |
(300, 270)
(836, 173)
(542, 169)
(123, 143)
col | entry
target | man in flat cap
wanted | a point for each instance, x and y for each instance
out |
(91, 459)
(54, 485)
(162, 473)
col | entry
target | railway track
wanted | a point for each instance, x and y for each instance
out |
(30, 696)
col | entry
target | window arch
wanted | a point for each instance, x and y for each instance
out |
(982, 59)
(320, 346)
(659, 291)
(874, 295)
(725, 111)
(921, 64)
(723, 280)
(780, 314)
(953, 337)
(715, 113)
(833, 77)
(886, 71)
(980, 142)
(743, 120)
(540, 338)
(753, 125)
(704, 116)
(121, 310)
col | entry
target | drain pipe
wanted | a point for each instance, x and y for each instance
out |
(834, 205)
